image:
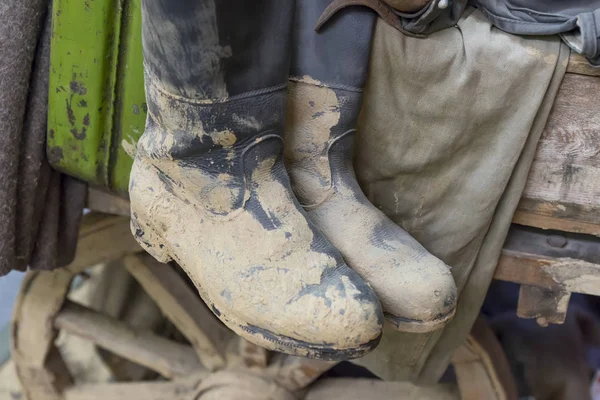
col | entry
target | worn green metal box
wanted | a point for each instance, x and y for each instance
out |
(96, 103)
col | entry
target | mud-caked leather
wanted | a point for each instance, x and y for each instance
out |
(327, 74)
(209, 189)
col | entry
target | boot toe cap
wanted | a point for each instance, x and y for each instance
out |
(336, 318)
(425, 299)
(342, 311)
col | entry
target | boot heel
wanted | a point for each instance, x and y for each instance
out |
(150, 241)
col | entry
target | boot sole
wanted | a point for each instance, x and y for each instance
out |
(284, 344)
(416, 326)
(156, 246)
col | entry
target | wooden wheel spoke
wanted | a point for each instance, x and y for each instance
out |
(183, 308)
(168, 358)
(252, 355)
(102, 238)
(296, 373)
(175, 390)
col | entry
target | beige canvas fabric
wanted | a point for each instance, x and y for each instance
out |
(447, 134)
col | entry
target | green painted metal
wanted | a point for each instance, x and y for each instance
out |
(96, 101)
(130, 110)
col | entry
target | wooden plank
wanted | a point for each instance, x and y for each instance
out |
(475, 373)
(183, 307)
(550, 273)
(373, 389)
(168, 358)
(236, 383)
(563, 188)
(528, 218)
(549, 267)
(137, 310)
(489, 356)
(102, 201)
(525, 269)
(546, 306)
(103, 238)
(10, 387)
(139, 390)
(252, 355)
(579, 65)
(296, 373)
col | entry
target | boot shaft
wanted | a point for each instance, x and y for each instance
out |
(335, 58)
(201, 131)
(328, 73)
(215, 77)
(337, 55)
(214, 49)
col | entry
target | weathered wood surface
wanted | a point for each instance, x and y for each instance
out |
(563, 188)
(133, 391)
(545, 305)
(295, 373)
(482, 370)
(252, 355)
(547, 282)
(472, 367)
(558, 274)
(168, 358)
(183, 307)
(102, 201)
(549, 266)
(481, 367)
(102, 238)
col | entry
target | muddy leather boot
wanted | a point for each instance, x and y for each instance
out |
(328, 72)
(209, 189)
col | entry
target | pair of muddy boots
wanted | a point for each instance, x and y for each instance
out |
(308, 267)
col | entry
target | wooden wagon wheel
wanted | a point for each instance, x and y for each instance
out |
(216, 361)
(217, 364)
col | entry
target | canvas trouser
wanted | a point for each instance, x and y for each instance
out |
(447, 134)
